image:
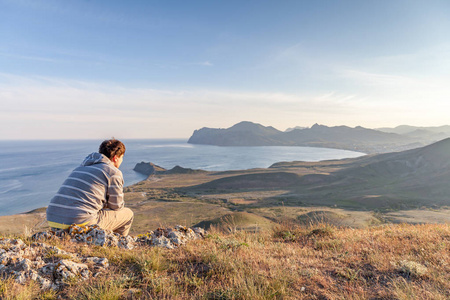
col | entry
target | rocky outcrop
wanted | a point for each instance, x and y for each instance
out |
(39, 262)
(148, 168)
(181, 170)
(51, 267)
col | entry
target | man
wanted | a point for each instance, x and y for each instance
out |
(93, 193)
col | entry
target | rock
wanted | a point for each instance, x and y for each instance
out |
(181, 170)
(17, 245)
(47, 269)
(21, 278)
(94, 236)
(126, 242)
(25, 262)
(67, 269)
(177, 238)
(99, 262)
(412, 268)
(42, 236)
(44, 283)
(170, 238)
(33, 267)
(24, 265)
(162, 241)
(9, 258)
(148, 168)
(200, 232)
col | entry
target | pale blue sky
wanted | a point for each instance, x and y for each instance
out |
(154, 69)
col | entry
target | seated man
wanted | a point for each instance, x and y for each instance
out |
(93, 193)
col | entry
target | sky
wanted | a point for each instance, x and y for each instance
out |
(91, 69)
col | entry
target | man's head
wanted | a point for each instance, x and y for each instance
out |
(114, 150)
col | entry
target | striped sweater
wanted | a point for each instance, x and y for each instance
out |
(94, 185)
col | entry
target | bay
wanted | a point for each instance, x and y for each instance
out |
(32, 171)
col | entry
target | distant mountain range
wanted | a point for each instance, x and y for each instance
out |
(426, 134)
(360, 139)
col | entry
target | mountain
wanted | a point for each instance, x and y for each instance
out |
(293, 128)
(241, 134)
(426, 134)
(406, 129)
(339, 137)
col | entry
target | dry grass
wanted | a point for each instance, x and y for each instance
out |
(290, 262)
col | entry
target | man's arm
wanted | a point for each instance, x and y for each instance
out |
(115, 199)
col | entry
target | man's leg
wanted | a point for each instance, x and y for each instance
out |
(118, 221)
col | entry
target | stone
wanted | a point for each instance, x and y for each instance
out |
(148, 168)
(25, 262)
(24, 265)
(45, 235)
(162, 241)
(100, 262)
(412, 268)
(67, 269)
(48, 269)
(44, 283)
(200, 232)
(126, 242)
(21, 278)
(177, 238)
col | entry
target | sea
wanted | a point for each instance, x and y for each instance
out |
(32, 171)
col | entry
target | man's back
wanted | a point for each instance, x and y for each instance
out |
(94, 185)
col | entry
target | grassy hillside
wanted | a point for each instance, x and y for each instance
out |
(288, 262)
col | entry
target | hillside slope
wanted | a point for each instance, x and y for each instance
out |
(405, 179)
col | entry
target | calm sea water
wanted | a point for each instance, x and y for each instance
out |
(32, 171)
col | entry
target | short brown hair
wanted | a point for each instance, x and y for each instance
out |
(112, 147)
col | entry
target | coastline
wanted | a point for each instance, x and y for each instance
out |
(35, 181)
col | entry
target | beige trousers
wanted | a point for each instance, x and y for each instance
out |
(118, 221)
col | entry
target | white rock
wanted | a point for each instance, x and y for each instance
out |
(126, 242)
(48, 269)
(177, 238)
(98, 261)
(66, 268)
(162, 241)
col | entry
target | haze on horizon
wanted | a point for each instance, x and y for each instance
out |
(161, 69)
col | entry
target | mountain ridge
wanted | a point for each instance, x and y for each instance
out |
(340, 137)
